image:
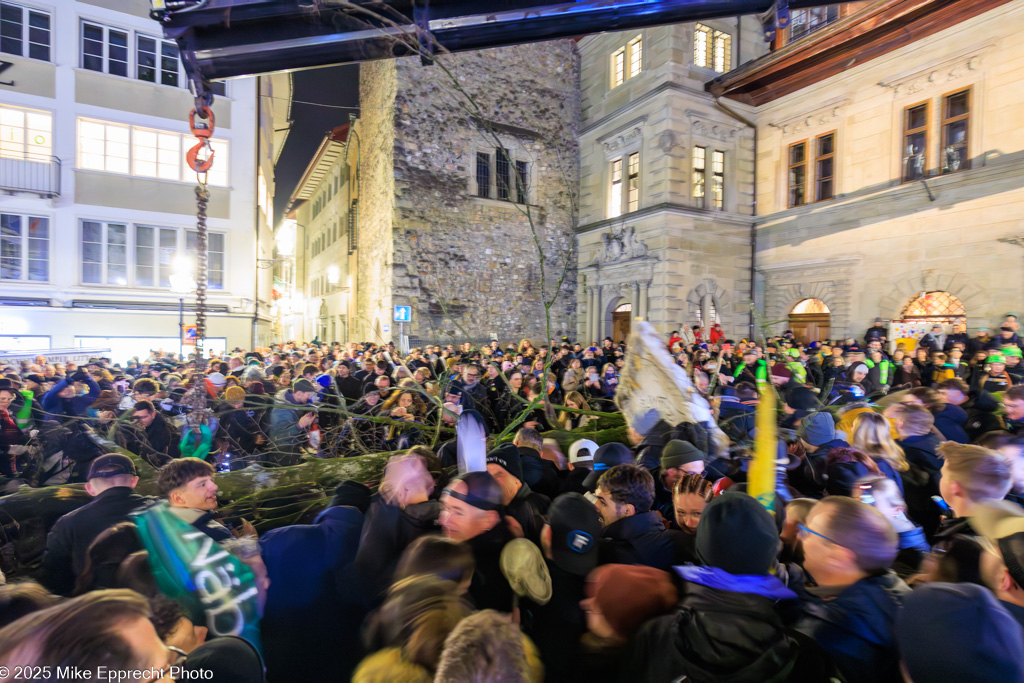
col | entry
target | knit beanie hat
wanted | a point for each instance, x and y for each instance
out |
(677, 453)
(738, 535)
(801, 398)
(630, 594)
(507, 456)
(818, 428)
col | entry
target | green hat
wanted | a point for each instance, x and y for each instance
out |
(995, 358)
(795, 353)
(1013, 351)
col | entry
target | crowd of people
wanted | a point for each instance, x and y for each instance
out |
(893, 550)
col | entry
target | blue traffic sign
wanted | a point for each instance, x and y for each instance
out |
(403, 314)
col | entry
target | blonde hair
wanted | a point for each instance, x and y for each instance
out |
(872, 435)
(575, 396)
(985, 474)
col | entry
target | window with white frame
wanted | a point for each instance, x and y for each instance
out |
(122, 52)
(615, 194)
(157, 61)
(104, 49)
(712, 49)
(25, 134)
(625, 184)
(25, 31)
(24, 247)
(144, 152)
(627, 61)
(121, 254)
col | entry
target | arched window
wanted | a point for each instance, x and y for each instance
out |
(624, 308)
(935, 307)
(807, 306)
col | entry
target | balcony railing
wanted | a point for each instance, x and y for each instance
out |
(34, 176)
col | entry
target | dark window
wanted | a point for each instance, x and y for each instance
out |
(169, 63)
(521, 182)
(12, 29)
(915, 142)
(824, 166)
(798, 174)
(146, 56)
(803, 21)
(18, 30)
(956, 116)
(483, 174)
(503, 174)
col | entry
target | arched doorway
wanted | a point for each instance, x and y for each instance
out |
(621, 318)
(810, 320)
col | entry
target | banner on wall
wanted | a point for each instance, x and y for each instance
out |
(908, 333)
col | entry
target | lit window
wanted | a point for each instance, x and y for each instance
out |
(24, 247)
(144, 152)
(155, 249)
(718, 179)
(618, 67)
(615, 205)
(915, 142)
(634, 182)
(798, 174)
(699, 175)
(635, 49)
(956, 113)
(824, 166)
(104, 49)
(25, 134)
(935, 307)
(143, 255)
(712, 49)
(24, 32)
(104, 146)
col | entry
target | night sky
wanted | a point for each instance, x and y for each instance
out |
(333, 85)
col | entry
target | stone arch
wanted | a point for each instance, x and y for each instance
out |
(695, 300)
(903, 288)
(783, 298)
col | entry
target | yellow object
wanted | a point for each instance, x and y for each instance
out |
(761, 478)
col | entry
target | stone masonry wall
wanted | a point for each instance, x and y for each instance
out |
(464, 261)
(374, 135)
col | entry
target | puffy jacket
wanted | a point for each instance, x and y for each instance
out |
(856, 627)
(286, 435)
(728, 628)
(641, 539)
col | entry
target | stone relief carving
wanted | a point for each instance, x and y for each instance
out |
(701, 127)
(948, 71)
(620, 142)
(668, 142)
(817, 117)
(619, 244)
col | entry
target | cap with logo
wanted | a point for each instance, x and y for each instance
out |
(607, 456)
(575, 532)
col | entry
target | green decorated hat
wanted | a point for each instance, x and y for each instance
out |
(995, 358)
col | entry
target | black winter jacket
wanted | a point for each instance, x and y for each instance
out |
(642, 539)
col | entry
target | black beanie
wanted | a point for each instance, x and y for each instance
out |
(507, 456)
(801, 398)
(677, 453)
(738, 535)
(352, 494)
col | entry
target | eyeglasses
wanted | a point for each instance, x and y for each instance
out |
(805, 530)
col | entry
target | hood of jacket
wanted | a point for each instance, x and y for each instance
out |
(727, 636)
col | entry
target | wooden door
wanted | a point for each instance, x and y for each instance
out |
(620, 325)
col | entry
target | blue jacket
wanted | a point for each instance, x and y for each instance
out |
(55, 407)
(856, 627)
(950, 421)
(310, 627)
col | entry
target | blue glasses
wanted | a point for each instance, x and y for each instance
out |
(804, 530)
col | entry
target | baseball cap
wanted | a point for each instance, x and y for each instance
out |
(1001, 525)
(523, 566)
(575, 532)
(111, 465)
(607, 456)
(216, 379)
(582, 445)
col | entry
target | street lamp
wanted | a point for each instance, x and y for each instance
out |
(183, 283)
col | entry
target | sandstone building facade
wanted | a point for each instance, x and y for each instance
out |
(667, 180)
(889, 180)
